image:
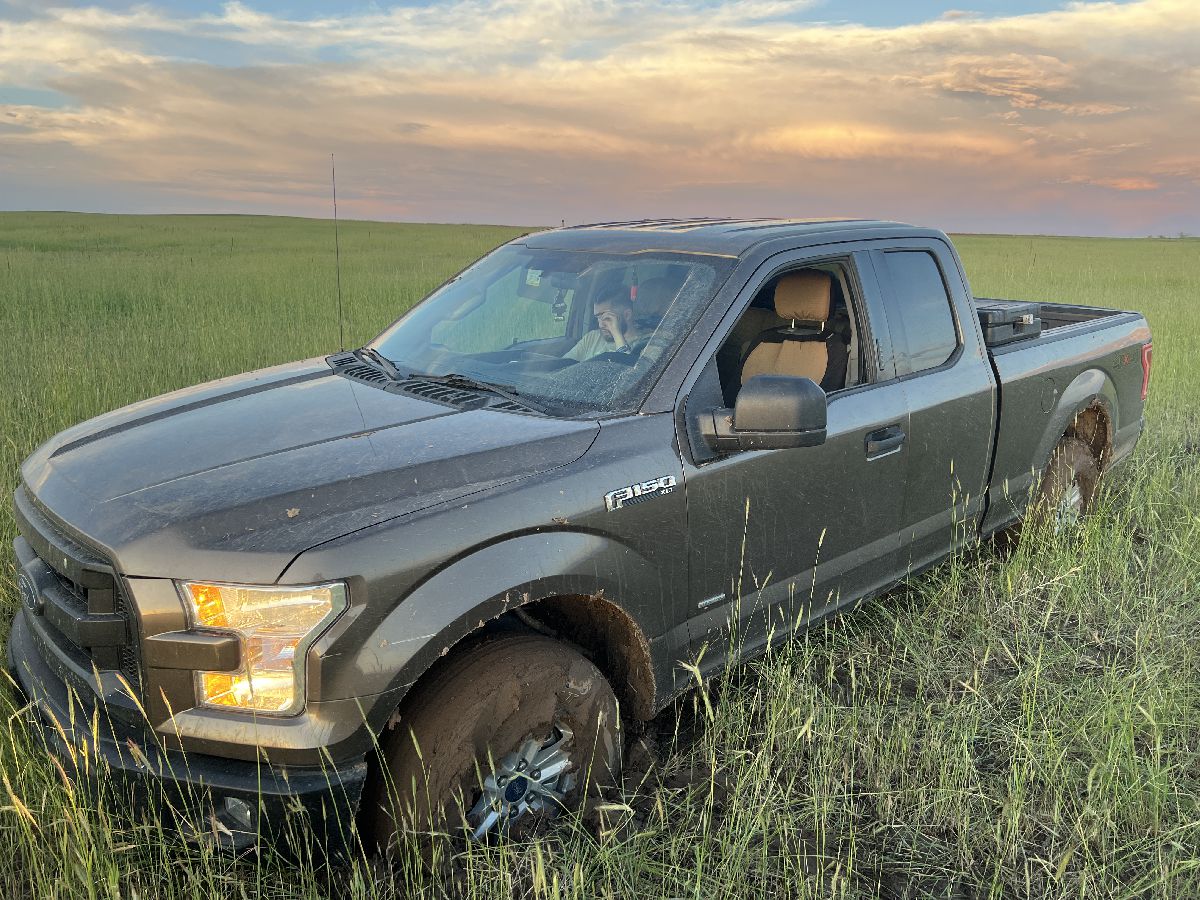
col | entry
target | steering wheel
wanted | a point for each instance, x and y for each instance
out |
(625, 359)
(540, 362)
(524, 353)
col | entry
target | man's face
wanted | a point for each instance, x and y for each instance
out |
(611, 321)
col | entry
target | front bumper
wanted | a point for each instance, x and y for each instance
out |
(233, 803)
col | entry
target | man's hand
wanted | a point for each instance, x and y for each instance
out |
(610, 323)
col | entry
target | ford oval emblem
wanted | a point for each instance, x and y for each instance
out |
(30, 597)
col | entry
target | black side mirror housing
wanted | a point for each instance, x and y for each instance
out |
(772, 412)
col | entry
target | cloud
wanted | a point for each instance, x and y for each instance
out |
(1130, 183)
(535, 110)
(848, 141)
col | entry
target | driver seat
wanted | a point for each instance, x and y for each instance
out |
(804, 298)
(654, 298)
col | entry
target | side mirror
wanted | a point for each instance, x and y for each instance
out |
(772, 412)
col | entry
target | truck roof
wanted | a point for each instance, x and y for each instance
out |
(727, 237)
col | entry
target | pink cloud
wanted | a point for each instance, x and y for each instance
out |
(501, 111)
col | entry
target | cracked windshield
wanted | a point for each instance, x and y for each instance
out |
(565, 333)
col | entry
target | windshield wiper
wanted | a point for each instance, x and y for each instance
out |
(382, 361)
(507, 391)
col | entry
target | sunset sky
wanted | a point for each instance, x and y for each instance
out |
(1022, 116)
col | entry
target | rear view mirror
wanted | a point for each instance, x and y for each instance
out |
(772, 412)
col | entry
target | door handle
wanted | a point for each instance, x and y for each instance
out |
(885, 441)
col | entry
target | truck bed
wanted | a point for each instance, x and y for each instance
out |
(1056, 318)
(1081, 350)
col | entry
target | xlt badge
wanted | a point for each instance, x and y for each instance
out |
(636, 493)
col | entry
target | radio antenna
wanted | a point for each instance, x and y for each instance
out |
(337, 255)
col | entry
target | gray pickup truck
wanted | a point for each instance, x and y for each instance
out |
(423, 583)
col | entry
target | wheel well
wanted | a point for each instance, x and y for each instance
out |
(1094, 427)
(608, 636)
(594, 625)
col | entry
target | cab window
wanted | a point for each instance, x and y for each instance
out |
(926, 316)
(803, 321)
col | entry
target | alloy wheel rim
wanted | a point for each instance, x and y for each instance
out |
(1070, 507)
(534, 779)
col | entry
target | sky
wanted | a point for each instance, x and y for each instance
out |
(1025, 116)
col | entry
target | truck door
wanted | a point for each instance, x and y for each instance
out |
(779, 537)
(950, 391)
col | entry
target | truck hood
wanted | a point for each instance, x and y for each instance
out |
(232, 479)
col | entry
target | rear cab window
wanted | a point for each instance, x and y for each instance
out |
(925, 319)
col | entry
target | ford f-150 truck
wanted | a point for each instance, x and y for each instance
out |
(423, 583)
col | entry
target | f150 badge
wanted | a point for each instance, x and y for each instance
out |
(636, 493)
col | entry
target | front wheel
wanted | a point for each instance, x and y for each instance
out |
(514, 730)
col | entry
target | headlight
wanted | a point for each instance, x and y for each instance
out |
(275, 627)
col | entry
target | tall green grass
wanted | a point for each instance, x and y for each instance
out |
(1008, 725)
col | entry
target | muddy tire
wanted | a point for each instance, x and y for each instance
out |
(1069, 484)
(467, 754)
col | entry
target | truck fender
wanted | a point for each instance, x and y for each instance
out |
(459, 599)
(1091, 389)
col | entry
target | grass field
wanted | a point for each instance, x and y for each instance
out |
(1020, 725)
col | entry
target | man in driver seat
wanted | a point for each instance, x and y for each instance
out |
(616, 330)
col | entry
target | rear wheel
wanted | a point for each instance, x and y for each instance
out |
(1069, 485)
(514, 731)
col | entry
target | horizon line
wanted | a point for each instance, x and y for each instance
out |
(1182, 236)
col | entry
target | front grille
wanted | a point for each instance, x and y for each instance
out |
(127, 656)
(71, 592)
(129, 667)
(84, 615)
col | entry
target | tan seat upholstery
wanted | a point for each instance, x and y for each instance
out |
(754, 321)
(802, 298)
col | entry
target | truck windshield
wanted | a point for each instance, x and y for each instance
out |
(576, 333)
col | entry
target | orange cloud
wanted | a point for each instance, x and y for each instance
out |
(1133, 183)
(545, 109)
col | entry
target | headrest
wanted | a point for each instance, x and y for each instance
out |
(655, 295)
(804, 295)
